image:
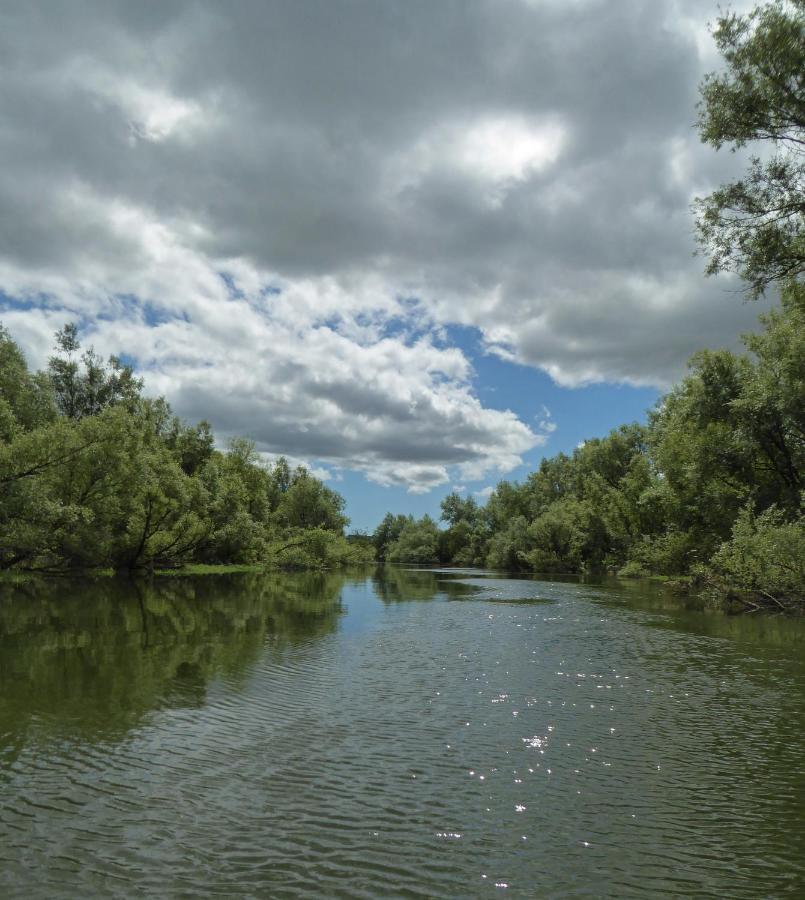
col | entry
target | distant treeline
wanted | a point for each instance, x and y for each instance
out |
(94, 474)
(711, 487)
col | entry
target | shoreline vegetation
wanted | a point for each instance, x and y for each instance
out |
(708, 495)
(95, 475)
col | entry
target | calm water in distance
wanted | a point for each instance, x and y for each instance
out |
(398, 734)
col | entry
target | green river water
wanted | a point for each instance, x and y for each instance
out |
(398, 734)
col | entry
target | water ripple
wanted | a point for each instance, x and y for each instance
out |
(495, 746)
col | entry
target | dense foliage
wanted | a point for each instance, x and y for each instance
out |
(711, 487)
(94, 474)
(755, 226)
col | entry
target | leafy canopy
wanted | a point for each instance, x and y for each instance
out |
(756, 226)
(94, 474)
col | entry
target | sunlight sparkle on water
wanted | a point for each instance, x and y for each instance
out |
(272, 655)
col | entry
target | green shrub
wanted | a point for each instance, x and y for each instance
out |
(763, 563)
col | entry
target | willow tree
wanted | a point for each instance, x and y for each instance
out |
(755, 226)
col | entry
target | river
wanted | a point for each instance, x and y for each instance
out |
(399, 734)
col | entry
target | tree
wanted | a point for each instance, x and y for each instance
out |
(94, 475)
(279, 481)
(756, 226)
(85, 387)
(729, 438)
(734, 430)
(192, 444)
(418, 542)
(387, 532)
(26, 400)
(307, 503)
(563, 538)
(773, 401)
(763, 564)
(456, 509)
(33, 517)
(508, 544)
(462, 542)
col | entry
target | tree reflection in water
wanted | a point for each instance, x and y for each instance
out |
(95, 657)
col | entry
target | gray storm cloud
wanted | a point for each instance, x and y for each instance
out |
(275, 208)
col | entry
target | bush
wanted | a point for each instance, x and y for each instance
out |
(671, 553)
(418, 543)
(763, 563)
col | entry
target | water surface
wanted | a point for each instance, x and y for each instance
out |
(410, 734)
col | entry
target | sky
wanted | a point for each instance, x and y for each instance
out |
(416, 246)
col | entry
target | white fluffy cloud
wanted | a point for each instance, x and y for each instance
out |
(306, 367)
(275, 208)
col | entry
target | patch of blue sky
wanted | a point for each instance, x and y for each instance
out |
(7, 301)
(397, 328)
(578, 414)
(131, 307)
(30, 302)
(333, 322)
(128, 360)
(411, 324)
(235, 293)
(368, 502)
(365, 320)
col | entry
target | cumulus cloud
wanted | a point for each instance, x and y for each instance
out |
(292, 365)
(275, 208)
